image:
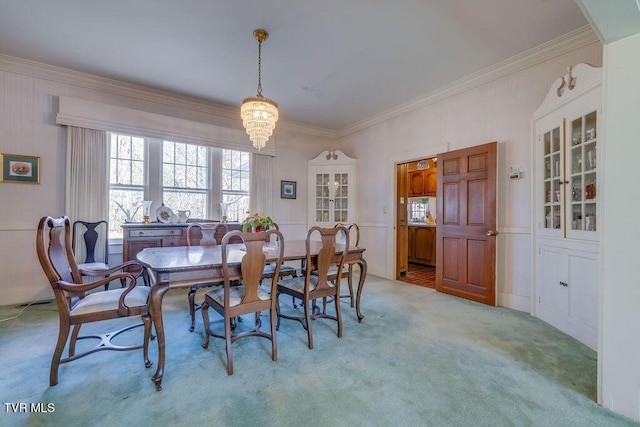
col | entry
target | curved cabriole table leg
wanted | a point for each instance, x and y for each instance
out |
(157, 292)
(363, 274)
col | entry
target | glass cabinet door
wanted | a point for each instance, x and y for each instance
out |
(568, 192)
(553, 181)
(322, 197)
(331, 198)
(341, 197)
(582, 191)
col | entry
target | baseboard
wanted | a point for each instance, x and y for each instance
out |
(515, 302)
(26, 295)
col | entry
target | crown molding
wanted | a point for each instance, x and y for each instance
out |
(70, 77)
(559, 46)
(571, 41)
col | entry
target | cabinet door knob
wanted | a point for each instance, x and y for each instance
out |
(492, 233)
(566, 285)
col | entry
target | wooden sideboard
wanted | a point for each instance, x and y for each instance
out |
(137, 236)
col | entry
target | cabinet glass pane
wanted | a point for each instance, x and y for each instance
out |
(322, 197)
(553, 170)
(582, 164)
(341, 201)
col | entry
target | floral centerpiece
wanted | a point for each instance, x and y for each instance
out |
(256, 223)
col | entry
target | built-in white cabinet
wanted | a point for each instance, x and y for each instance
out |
(332, 189)
(568, 290)
(566, 144)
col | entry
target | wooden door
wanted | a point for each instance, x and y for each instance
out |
(466, 223)
(402, 229)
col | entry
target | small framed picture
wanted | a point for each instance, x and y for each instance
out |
(19, 169)
(287, 189)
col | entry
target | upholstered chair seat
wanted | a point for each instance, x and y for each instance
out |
(110, 300)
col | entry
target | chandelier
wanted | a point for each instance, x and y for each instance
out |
(259, 114)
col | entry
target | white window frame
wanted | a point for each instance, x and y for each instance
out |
(153, 188)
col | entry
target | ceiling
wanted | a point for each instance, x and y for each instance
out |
(329, 63)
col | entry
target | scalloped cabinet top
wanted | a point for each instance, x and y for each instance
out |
(576, 81)
(332, 157)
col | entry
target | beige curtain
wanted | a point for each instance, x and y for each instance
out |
(87, 180)
(261, 199)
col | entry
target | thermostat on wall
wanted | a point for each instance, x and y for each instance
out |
(515, 173)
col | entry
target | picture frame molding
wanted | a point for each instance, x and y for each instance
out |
(10, 169)
(288, 189)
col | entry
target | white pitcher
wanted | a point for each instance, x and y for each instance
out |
(183, 216)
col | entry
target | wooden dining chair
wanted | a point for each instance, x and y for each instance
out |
(285, 270)
(209, 233)
(76, 306)
(248, 296)
(311, 287)
(353, 232)
(92, 257)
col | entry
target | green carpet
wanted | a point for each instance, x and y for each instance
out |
(419, 358)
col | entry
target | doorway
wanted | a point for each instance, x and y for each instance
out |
(416, 228)
(465, 226)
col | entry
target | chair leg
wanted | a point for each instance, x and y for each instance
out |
(145, 276)
(350, 282)
(277, 310)
(307, 320)
(63, 334)
(74, 337)
(192, 308)
(204, 308)
(146, 320)
(274, 345)
(227, 336)
(336, 300)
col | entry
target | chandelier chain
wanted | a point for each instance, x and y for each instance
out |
(259, 67)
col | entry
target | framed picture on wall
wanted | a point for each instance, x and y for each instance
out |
(287, 189)
(19, 169)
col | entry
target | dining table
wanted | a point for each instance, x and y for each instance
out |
(186, 266)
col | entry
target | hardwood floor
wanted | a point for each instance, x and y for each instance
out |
(421, 275)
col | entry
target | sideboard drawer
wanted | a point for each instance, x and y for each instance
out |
(155, 233)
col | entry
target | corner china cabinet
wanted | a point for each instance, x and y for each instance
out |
(567, 142)
(332, 189)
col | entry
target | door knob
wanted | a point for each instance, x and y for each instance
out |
(492, 233)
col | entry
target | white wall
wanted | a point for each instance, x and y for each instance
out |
(620, 294)
(28, 105)
(500, 110)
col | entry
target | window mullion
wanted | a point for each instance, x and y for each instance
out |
(215, 182)
(153, 167)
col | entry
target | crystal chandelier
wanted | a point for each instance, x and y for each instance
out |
(259, 114)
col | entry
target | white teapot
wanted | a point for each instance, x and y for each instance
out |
(183, 216)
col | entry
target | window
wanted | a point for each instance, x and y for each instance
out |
(127, 180)
(235, 184)
(180, 175)
(185, 177)
(420, 209)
